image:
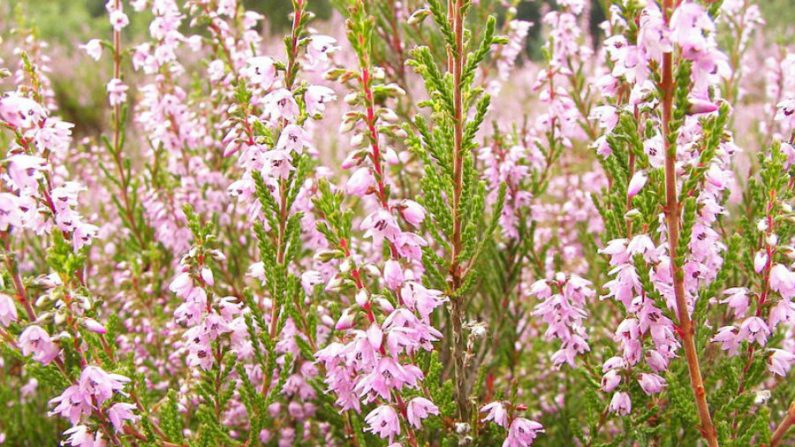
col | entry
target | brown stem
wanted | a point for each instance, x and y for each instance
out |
(458, 56)
(284, 212)
(672, 213)
(782, 428)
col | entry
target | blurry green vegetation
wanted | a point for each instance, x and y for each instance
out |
(780, 16)
(67, 20)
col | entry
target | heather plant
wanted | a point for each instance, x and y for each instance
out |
(396, 228)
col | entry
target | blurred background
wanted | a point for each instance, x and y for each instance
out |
(65, 24)
(65, 20)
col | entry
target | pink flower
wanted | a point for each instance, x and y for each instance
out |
(700, 104)
(687, 24)
(383, 421)
(94, 326)
(728, 338)
(522, 433)
(651, 383)
(345, 321)
(79, 436)
(782, 312)
(412, 211)
(496, 413)
(620, 404)
(393, 274)
(20, 111)
(117, 92)
(418, 409)
(319, 49)
(72, 404)
(8, 310)
(261, 71)
(360, 182)
(380, 225)
(35, 340)
(782, 281)
(754, 329)
(737, 300)
(420, 299)
(100, 385)
(119, 20)
(93, 48)
(610, 380)
(636, 183)
(760, 261)
(278, 164)
(293, 138)
(281, 105)
(120, 412)
(316, 98)
(780, 361)
(26, 170)
(786, 113)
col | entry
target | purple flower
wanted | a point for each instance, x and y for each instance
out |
(94, 326)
